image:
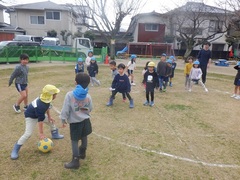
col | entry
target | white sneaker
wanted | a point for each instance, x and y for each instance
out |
(234, 95)
(99, 83)
(206, 90)
(237, 97)
(133, 84)
(190, 90)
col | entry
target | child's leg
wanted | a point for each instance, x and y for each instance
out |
(123, 95)
(147, 96)
(23, 96)
(203, 85)
(83, 147)
(75, 150)
(53, 128)
(190, 85)
(26, 98)
(152, 96)
(131, 100)
(91, 80)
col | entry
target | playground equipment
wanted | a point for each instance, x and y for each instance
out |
(222, 62)
(146, 49)
(121, 54)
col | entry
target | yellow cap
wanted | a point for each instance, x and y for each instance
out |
(47, 93)
(152, 64)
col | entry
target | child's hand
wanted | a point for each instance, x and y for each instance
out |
(64, 125)
(42, 136)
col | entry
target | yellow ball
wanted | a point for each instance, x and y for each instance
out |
(45, 145)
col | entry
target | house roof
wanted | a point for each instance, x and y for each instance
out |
(45, 5)
(8, 28)
(199, 7)
(2, 6)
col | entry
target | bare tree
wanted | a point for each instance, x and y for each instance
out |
(106, 16)
(195, 23)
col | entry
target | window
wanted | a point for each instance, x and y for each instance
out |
(151, 27)
(55, 15)
(37, 19)
(215, 26)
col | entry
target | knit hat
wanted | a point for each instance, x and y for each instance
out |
(79, 93)
(47, 93)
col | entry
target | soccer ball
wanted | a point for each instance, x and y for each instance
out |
(45, 145)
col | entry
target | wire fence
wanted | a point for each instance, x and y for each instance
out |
(10, 54)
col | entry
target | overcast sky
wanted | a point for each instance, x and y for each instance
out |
(159, 6)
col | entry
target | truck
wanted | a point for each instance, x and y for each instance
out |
(80, 48)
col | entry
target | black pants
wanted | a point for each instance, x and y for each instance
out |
(115, 92)
(151, 94)
(204, 73)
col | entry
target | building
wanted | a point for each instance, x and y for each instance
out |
(41, 17)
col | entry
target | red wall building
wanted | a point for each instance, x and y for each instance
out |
(151, 32)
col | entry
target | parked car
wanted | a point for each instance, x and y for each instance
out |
(28, 38)
(15, 48)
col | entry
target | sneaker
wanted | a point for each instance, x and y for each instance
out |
(146, 103)
(170, 84)
(206, 90)
(237, 97)
(99, 83)
(133, 84)
(151, 104)
(16, 108)
(190, 90)
(124, 99)
(164, 90)
(234, 95)
(25, 108)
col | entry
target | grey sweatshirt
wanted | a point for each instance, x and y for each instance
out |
(20, 74)
(75, 111)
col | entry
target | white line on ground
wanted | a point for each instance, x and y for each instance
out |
(163, 153)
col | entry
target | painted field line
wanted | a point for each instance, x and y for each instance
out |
(163, 153)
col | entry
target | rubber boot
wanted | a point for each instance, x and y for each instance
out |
(16, 148)
(82, 153)
(131, 104)
(110, 102)
(56, 135)
(74, 164)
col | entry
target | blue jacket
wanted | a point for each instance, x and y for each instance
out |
(37, 110)
(121, 83)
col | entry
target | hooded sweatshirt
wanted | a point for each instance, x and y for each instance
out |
(77, 105)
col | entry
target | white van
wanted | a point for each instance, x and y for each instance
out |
(50, 41)
(28, 38)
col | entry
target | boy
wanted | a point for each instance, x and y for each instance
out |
(151, 80)
(93, 71)
(167, 74)
(114, 70)
(35, 114)
(76, 111)
(79, 66)
(121, 84)
(161, 70)
(20, 74)
(174, 65)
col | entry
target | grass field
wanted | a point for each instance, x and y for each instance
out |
(184, 136)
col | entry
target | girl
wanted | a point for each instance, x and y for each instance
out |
(93, 71)
(131, 66)
(88, 59)
(236, 94)
(187, 70)
(195, 75)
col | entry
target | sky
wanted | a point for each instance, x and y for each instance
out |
(159, 6)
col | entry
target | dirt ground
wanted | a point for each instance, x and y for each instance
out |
(184, 136)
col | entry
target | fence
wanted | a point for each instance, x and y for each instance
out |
(10, 54)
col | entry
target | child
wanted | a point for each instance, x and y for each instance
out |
(150, 79)
(236, 94)
(195, 75)
(161, 70)
(167, 74)
(187, 70)
(88, 59)
(35, 114)
(79, 66)
(20, 74)
(93, 71)
(121, 84)
(76, 111)
(174, 65)
(131, 66)
(143, 72)
(114, 70)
